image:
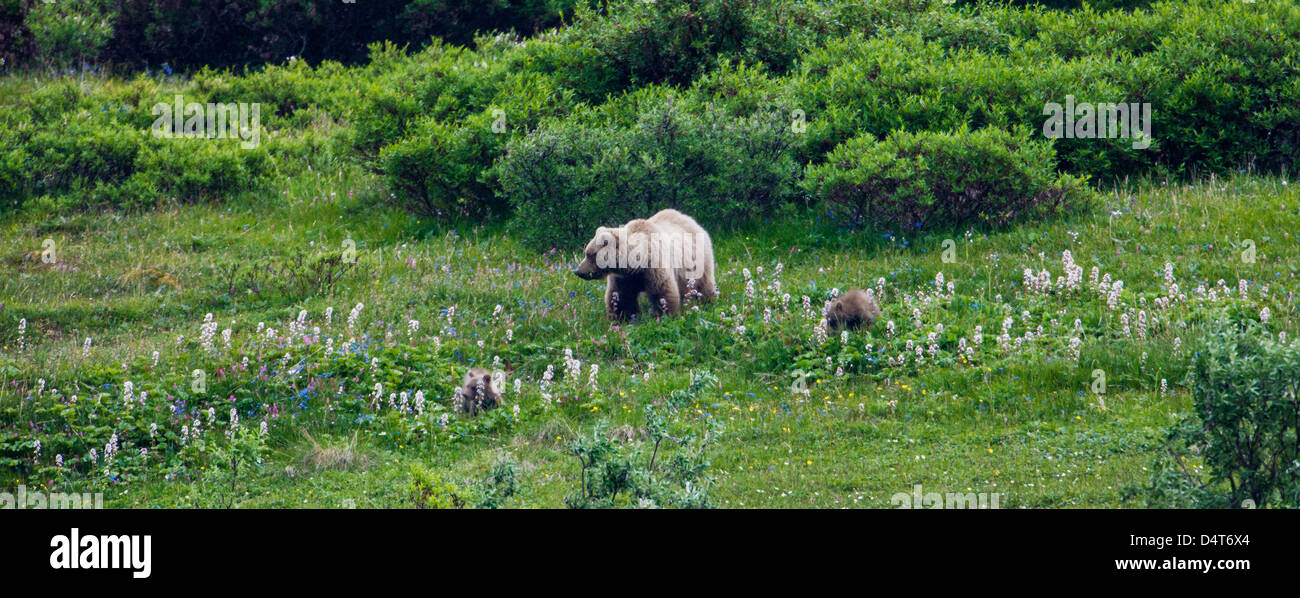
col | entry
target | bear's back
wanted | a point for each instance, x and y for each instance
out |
(670, 220)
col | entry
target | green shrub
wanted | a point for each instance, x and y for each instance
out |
(954, 29)
(650, 42)
(200, 169)
(440, 169)
(1220, 77)
(915, 180)
(50, 102)
(472, 105)
(1244, 429)
(500, 485)
(92, 145)
(881, 85)
(427, 490)
(230, 467)
(1087, 30)
(384, 120)
(568, 178)
(69, 33)
(670, 468)
(288, 93)
(15, 177)
(1225, 87)
(1079, 4)
(83, 152)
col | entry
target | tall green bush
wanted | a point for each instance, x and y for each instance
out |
(566, 179)
(69, 33)
(1245, 428)
(444, 168)
(910, 181)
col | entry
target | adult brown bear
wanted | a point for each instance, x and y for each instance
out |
(668, 257)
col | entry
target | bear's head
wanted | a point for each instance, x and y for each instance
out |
(629, 249)
(600, 256)
(837, 312)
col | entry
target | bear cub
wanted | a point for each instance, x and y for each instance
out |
(668, 258)
(477, 392)
(852, 310)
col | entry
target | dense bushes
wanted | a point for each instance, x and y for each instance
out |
(442, 165)
(566, 179)
(455, 130)
(1245, 427)
(674, 42)
(438, 154)
(912, 67)
(911, 180)
(193, 33)
(1225, 86)
(79, 146)
(1074, 4)
(71, 32)
(437, 151)
(89, 164)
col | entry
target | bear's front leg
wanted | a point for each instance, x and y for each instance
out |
(621, 295)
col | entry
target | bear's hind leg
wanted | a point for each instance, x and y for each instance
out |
(706, 286)
(665, 297)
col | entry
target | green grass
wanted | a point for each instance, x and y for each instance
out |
(1025, 424)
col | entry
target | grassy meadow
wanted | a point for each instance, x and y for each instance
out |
(1022, 420)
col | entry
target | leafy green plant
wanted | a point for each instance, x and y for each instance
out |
(565, 180)
(71, 32)
(228, 466)
(500, 485)
(443, 167)
(428, 490)
(1246, 426)
(911, 180)
(668, 469)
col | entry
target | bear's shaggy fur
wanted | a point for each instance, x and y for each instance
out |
(853, 309)
(668, 257)
(478, 392)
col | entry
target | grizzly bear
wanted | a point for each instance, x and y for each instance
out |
(853, 309)
(477, 392)
(667, 257)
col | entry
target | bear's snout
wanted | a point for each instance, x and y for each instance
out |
(586, 271)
